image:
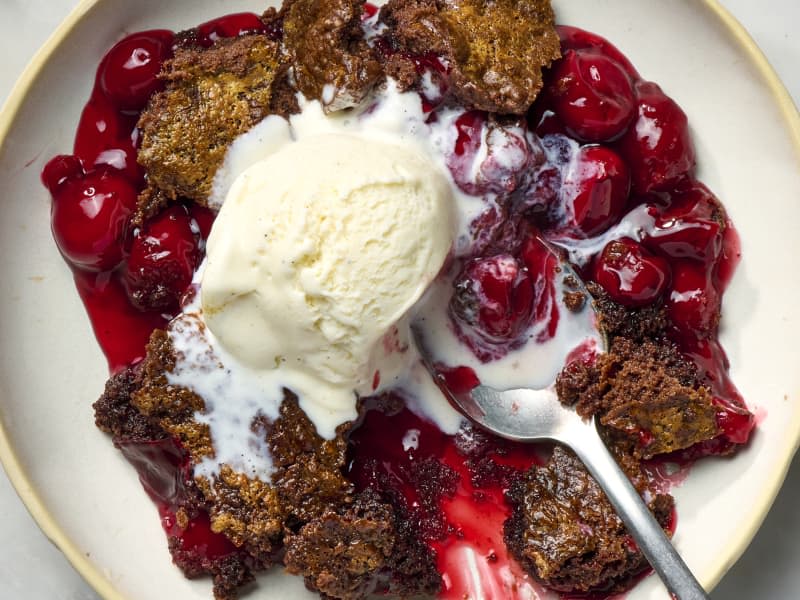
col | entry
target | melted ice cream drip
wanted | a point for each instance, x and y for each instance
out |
(236, 395)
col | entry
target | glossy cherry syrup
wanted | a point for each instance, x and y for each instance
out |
(461, 515)
(94, 197)
(688, 251)
(165, 472)
(685, 259)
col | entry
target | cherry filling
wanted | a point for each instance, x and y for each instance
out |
(91, 217)
(494, 297)
(600, 148)
(165, 473)
(592, 95)
(597, 189)
(452, 489)
(129, 278)
(128, 75)
(657, 146)
(631, 275)
(162, 260)
(633, 167)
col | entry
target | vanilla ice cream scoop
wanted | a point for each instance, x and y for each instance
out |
(316, 256)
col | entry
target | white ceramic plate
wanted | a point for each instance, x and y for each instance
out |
(88, 500)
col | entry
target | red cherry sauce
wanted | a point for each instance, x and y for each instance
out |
(686, 255)
(452, 487)
(93, 193)
(105, 147)
(165, 472)
(460, 517)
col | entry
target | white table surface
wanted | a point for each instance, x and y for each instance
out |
(32, 569)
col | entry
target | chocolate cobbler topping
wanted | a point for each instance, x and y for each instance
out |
(547, 117)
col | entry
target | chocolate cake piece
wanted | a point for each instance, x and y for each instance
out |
(232, 573)
(229, 573)
(365, 550)
(212, 95)
(173, 407)
(325, 45)
(308, 475)
(494, 51)
(654, 404)
(252, 513)
(644, 392)
(565, 533)
(341, 554)
(154, 453)
(114, 414)
(645, 395)
(308, 507)
(247, 511)
(412, 565)
(647, 322)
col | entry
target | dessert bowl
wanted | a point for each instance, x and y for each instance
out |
(85, 496)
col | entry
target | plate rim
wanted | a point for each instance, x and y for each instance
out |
(29, 495)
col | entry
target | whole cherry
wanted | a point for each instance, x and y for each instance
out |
(510, 155)
(657, 147)
(592, 95)
(596, 189)
(128, 75)
(105, 137)
(630, 274)
(60, 169)
(691, 226)
(573, 38)
(494, 298)
(693, 304)
(90, 216)
(163, 257)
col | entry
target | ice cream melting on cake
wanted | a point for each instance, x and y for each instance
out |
(334, 233)
(313, 275)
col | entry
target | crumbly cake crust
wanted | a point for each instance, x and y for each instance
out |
(309, 516)
(324, 42)
(211, 97)
(303, 513)
(564, 531)
(495, 51)
(214, 94)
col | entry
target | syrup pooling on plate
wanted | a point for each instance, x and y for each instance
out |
(604, 170)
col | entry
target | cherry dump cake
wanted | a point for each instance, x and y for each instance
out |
(258, 210)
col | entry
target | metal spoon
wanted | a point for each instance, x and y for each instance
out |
(528, 415)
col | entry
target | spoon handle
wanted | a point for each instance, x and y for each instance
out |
(641, 524)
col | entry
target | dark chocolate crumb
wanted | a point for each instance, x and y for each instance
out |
(564, 531)
(574, 301)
